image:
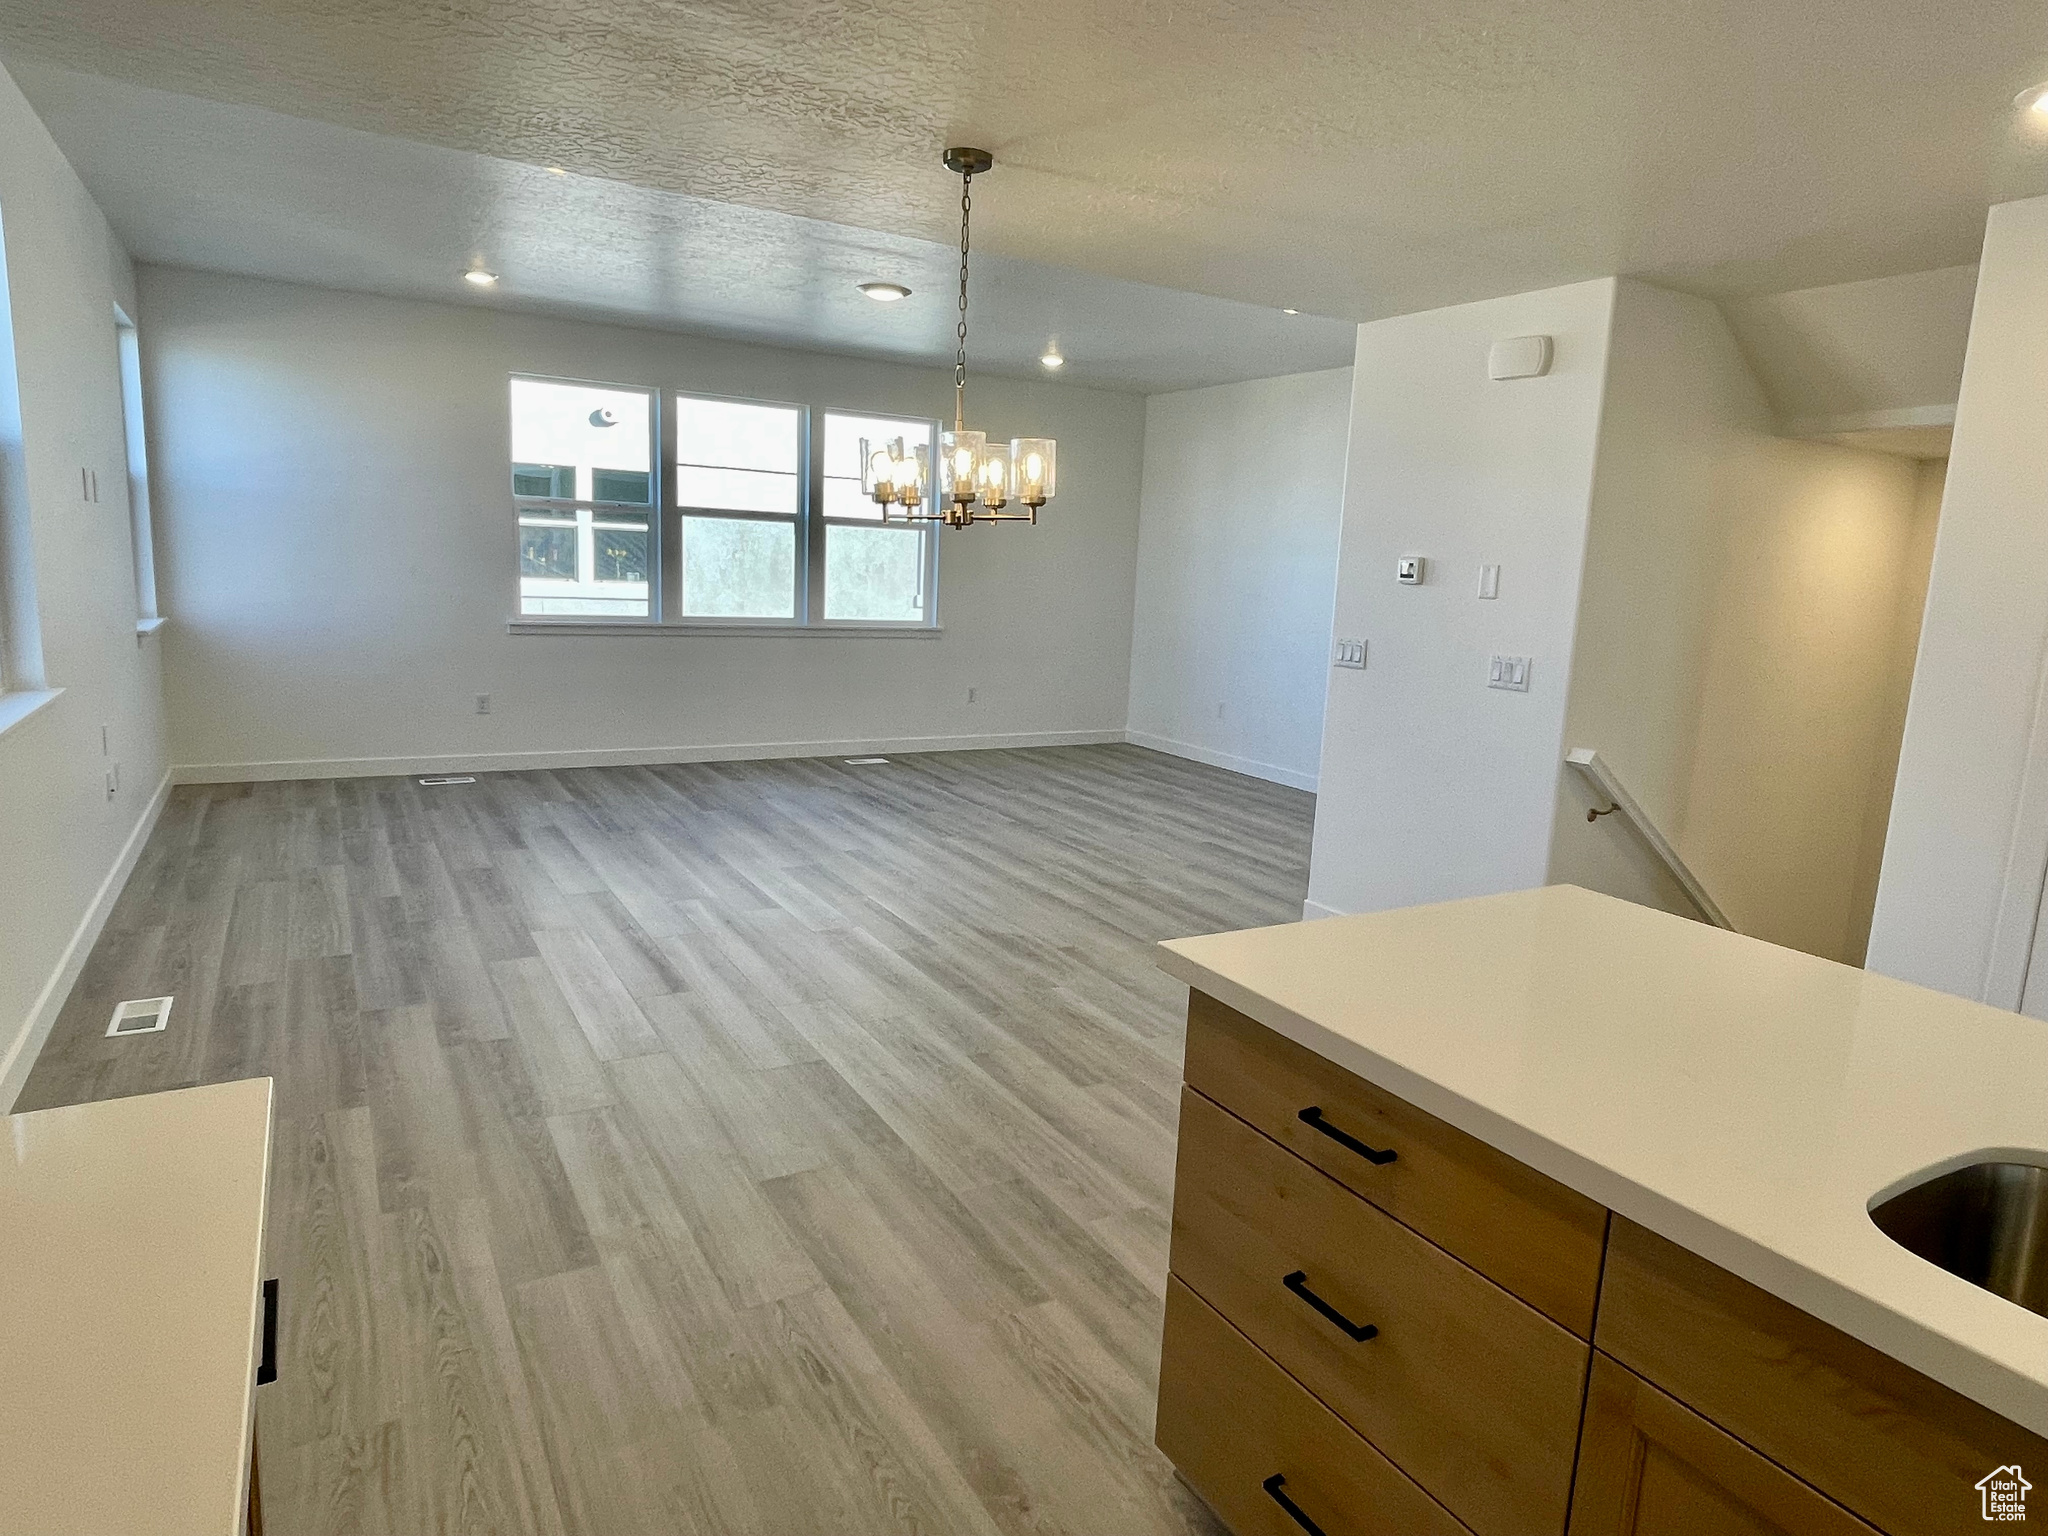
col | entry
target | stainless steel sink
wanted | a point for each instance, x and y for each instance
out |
(1987, 1223)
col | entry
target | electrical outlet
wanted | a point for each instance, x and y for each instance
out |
(1410, 570)
(483, 703)
(111, 785)
(972, 693)
(1509, 672)
(1349, 653)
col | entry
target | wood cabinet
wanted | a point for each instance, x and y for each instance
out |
(1471, 1391)
(1404, 1342)
(1242, 1431)
(1650, 1466)
(1528, 1233)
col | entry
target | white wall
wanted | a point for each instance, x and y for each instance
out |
(1737, 659)
(62, 838)
(338, 547)
(1237, 571)
(1961, 881)
(1433, 785)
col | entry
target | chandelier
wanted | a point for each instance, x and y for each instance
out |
(976, 479)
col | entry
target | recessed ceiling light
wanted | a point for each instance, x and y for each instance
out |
(1053, 360)
(477, 277)
(555, 170)
(885, 293)
(2033, 99)
(1290, 311)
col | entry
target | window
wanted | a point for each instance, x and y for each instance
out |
(872, 572)
(128, 352)
(583, 484)
(761, 521)
(739, 488)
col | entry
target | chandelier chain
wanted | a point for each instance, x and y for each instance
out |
(960, 357)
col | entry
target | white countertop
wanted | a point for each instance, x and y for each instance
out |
(1746, 1101)
(131, 1243)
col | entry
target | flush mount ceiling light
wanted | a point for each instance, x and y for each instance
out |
(885, 293)
(477, 277)
(555, 170)
(1290, 311)
(1052, 358)
(2033, 99)
(977, 479)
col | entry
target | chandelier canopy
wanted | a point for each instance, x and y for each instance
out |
(976, 479)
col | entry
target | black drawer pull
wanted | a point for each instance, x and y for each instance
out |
(266, 1369)
(1312, 1117)
(1273, 1485)
(1298, 1283)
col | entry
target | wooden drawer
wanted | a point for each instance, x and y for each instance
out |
(1529, 1233)
(1902, 1451)
(1232, 1421)
(1471, 1392)
(1650, 1466)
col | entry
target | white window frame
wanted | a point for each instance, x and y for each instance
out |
(588, 510)
(135, 438)
(665, 528)
(928, 554)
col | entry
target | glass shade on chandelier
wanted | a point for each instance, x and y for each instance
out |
(893, 476)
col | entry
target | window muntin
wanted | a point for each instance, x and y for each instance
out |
(583, 482)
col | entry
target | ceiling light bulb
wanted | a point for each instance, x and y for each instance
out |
(2033, 99)
(555, 170)
(1053, 360)
(1290, 311)
(885, 293)
(479, 278)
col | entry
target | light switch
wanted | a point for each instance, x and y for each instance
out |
(1489, 581)
(1349, 653)
(1509, 672)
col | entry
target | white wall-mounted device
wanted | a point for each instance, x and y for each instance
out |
(1519, 357)
(1349, 653)
(1408, 570)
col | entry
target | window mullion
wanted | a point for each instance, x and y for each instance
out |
(668, 606)
(814, 520)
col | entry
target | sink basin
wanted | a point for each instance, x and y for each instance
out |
(1987, 1223)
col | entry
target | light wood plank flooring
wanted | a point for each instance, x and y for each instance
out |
(777, 1148)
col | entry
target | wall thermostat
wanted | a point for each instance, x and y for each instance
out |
(1519, 357)
(1408, 570)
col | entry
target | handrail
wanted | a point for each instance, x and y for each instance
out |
(1598, 773)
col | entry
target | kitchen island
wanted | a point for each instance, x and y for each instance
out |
(1548, 1212)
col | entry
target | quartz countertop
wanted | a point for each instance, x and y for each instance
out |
(1746, 1101)
(131, 1243)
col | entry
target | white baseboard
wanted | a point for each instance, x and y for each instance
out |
(1311, 910)
(1271, 772)
(35, 1029)
(619, 757)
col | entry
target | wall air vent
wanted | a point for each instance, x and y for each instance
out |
(141, 1016)
(863, 762)
(448, 778)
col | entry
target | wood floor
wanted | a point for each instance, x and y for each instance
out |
(778, 1148)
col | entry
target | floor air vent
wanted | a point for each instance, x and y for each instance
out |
(863, 762)
(142, 1016)
(448, 778)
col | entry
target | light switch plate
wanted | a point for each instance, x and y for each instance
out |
(1509, 672)
(1408, 570)
(1349, 653)
(1489, 581)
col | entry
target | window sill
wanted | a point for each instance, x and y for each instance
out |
(149, 626)
(725, 631)
(17, 707)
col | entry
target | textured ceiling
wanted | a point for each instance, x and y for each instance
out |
(189, 182)
(1354, 159)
